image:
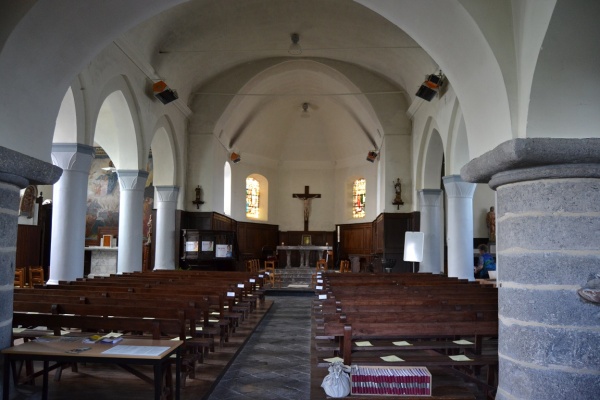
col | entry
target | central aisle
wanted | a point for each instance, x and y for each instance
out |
(275, 363)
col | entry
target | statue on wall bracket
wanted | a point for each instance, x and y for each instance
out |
(398, 199)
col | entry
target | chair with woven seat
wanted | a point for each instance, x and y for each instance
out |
(36, 276)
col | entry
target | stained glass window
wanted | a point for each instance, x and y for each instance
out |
(359, 190)
(252, 197)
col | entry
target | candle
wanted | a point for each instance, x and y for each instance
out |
(338, 233)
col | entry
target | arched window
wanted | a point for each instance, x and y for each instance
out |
(252, 197)
(227, 189)
(359, 190)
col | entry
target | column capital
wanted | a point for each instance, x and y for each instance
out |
(21, 170)
(166, 193)
(72, 156)
(531, 159)
(456, 187)
(132, 179)
(430, 197)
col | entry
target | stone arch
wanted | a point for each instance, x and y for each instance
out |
(65, 130)
(430, 158)
(117, 127)
(482, 112)
(458, 142)
(164, 154)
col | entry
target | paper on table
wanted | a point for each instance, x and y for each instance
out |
(19, 330)
(402, 343)
(460, 357)
(462, 341)
(333, 359)
(365, 343)
(391, 358)
(136, 350)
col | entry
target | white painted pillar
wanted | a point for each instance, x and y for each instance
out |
(166, 203)
(131, 209)
(431, 225)
(68, 211)
(460, 227)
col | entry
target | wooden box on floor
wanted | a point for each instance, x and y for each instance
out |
(390, 381)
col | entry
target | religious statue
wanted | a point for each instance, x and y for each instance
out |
(306, 209)
(27, 206)
(398, 188)
(306, 197)
(490, 221)
(149, 231)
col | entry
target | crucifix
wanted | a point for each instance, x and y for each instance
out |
(306, 197)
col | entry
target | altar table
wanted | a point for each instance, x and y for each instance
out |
(304, 253)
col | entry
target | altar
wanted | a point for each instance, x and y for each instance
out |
(103, 260)
(304, 253)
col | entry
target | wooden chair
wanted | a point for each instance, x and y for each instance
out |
(36, 276)
(20, 277)
(272, 276)
(345, 266)
(322, 265)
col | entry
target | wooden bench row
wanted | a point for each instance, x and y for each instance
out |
(195, 308)
(420, 319)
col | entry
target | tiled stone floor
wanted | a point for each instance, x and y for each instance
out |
(275, 362)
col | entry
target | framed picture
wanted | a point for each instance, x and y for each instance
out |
(306, 240)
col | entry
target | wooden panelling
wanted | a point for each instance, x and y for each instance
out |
(252, 237)
(356, 239)
(390, 229)
(29, 240)
(223, 223)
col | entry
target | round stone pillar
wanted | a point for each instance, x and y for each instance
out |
(68, 211)
(16, 172)
(460, 227)
(430, 201)
(165, 226)
(131, 218)
(548, 249)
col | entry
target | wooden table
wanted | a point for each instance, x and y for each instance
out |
(60, 350)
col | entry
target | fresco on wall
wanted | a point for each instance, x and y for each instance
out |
(148, 197)
(103, 196)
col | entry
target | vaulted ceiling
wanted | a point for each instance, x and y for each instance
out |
(229, 62)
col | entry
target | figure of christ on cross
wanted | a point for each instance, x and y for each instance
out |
(306, 197)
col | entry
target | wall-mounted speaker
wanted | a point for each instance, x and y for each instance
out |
(163, 93)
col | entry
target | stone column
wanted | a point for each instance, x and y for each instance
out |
(548, 247)
(16, 172)
(166, 202)
(68, 211)
(431, 225)
(460, 227)
(131, 218)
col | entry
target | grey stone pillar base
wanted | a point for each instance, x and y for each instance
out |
(548, 216)
(16, 172)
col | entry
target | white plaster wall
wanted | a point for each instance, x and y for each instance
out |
(247, 166)
(398, 164)
(291, 215)
(200, 171)
(345, 175)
